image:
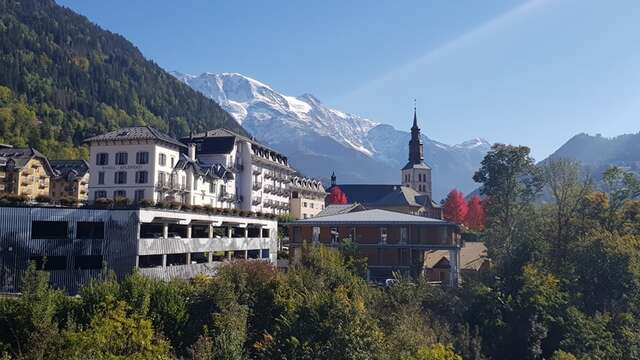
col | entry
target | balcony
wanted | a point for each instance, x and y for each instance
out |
(256, 201)
(269, 175)
(257, 185)
(268, 189)
(227, 197)
(169, 186)
(256, 171)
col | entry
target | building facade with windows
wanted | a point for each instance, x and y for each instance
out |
(143, 164)
(262, 175)
(390, 241)
(24, 171)
(74, 244)
(71, 180)
(307, 197)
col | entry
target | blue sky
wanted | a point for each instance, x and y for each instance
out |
(522, 72)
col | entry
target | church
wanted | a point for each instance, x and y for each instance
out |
(412, 196)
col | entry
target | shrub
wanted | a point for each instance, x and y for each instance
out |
(197, 208)
(146, 203)
(103, 202)
(68, 201)
(187, 207)
(122, 201)
(175, 205)
(43, 198)
(209, 209)
(14, 198)
(162, 204)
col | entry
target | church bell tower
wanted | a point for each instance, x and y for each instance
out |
(416, 174)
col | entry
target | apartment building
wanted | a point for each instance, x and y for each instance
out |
(262, 175)
(307, 197)
(390, 241)
(141, 163)
(24, 171)
(71, 180)
(74, 244)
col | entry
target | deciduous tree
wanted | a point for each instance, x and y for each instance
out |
(455, 208)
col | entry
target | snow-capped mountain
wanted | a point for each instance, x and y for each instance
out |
(319, 139)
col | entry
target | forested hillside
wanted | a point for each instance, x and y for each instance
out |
(80, 80)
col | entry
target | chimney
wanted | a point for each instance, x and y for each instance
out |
(192, 151)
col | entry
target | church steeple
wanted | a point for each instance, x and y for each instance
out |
(333, 178)
(416, 148)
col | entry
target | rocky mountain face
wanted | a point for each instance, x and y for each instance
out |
(319, 139)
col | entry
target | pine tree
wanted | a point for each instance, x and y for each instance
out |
(455, 208)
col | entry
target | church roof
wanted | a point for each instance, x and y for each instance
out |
(365, 193)
(405, 196)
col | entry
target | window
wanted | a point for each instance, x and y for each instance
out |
(265, 233)
(90, 230)
(120, 177)
(102, 159)
(311, 205)
(162, 159)
(253, 254)
(172, 162)
(49, 262)
(88, 262)
(335, 235)
(176, 259)
(138, 195)
(212, 187)
(151, 231)
(142, 157)
(199, 258)
(100, 194)
(49, 229)
(142, 177)
(304, 204)
(383, 235)
(403, 235)
(101, 178)
(122, 158)
(265, 253)
(315, 235)
(149, 261)
(119, 194)
(161, 178)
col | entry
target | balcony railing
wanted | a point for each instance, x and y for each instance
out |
(256, 201)
(257, 185)
(256, 171)
(169, 186)
(268, 189)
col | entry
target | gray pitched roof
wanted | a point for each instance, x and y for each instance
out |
(336, 209)
(21, 156)
(66, 167)
(365, 193)
(421, 165)
(136, 133)
(405, 196)
(374, 216)
(213, 171)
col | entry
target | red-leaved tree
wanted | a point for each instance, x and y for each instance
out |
(337, 196)
(475, 214)
(455, 208)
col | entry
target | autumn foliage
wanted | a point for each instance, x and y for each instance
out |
(470, 214)
(475, 214)
(337, 196)
(455, 208)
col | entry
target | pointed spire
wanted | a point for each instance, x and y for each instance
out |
(333, 178)
(415, 115)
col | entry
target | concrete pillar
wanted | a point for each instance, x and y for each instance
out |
(164, 260)
(210, 231)
(188, 258)
(454, 270)
(189, 231)
(137, 261)
(165, 230)
(229, 231)
(229, 255)
(246, 232)
(210, 257)
(246, 254)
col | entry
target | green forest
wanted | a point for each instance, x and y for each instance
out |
(64, 79)
(564, 284)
